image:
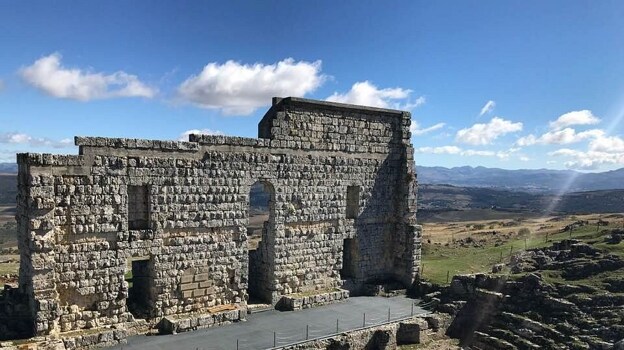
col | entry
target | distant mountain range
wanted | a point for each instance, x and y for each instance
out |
(447, 197)
(8, 168)
(529, 180)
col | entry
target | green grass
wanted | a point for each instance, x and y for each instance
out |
(440, 260)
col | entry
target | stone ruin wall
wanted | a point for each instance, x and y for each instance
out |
(190, 200)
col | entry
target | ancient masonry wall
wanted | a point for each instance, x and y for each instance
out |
(175, 215)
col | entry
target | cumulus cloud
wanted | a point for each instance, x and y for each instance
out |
(465, 152)
(415, 128)
(185, 135)
(236, 88)
(25, 139)
(588, 160)
(48, 75)
(559, 137)
(584, 117)
(487, 108)
(608, 144)
(472, 152)
(440, 150)
(367, 94)
(603, 150)
(485, 134)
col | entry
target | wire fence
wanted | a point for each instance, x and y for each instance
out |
(280, 338)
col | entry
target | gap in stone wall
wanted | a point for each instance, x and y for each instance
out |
(349, 259)
(260, 195)
(139, 278)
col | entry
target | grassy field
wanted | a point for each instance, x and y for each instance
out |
(9, 264)
(471, 247)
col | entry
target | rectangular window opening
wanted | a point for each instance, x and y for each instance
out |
(138, 207)
(353, 202)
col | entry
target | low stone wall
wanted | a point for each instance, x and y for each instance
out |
(111, 336)
(414, 330)
(189, 322)
(87, 339)
(297, 302)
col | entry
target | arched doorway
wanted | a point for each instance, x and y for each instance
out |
(260, 225)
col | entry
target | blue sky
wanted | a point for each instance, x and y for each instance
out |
(510, 84)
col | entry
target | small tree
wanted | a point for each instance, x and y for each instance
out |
(524, 231)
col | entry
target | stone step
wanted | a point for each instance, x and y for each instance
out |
(255, 308)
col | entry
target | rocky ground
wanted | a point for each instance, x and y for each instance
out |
(566, 296)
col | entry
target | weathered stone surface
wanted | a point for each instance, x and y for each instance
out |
(297, 302)
(175, 215)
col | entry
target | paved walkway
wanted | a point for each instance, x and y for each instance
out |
(261, 330)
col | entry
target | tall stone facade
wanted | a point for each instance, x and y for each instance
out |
(135, 229)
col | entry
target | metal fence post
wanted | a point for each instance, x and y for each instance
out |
(236, 344)
(412, 309)
(307, 332)
(274, 339)
(364, 320)
(336, 325)
(388, 314)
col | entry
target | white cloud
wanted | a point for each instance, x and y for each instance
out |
(560, 137)
(236, 88)
(185, 135)
(524, 158)
(367, 94)
(489, 107)
(526, 140)
(471, 152)
(591, 159)
(25, 139)
(47, 74)
(584, 117)
(465, 152)
(608, 144)
(484, 134)
(440, 150)
(415, 128)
